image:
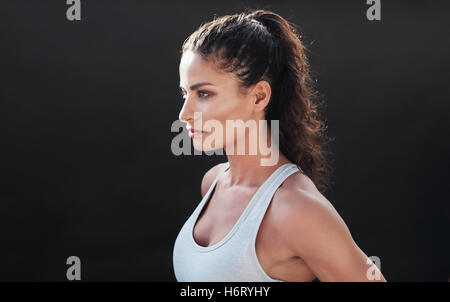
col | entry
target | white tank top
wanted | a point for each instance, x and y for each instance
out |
(234, 257)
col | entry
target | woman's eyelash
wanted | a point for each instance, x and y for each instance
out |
(201, 91)
(183, 95)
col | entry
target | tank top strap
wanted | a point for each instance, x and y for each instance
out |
(273, 183)
(213, 184)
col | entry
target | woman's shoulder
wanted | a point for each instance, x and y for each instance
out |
(297, 190)
(209, 177)
(298, 198)
(301, 213)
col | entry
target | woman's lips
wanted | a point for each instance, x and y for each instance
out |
(193, 132)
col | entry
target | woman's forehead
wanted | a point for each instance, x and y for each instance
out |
(193, 69)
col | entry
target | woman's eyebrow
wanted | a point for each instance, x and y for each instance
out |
(198, 85)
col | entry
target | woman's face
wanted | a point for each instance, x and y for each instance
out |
(210, 94)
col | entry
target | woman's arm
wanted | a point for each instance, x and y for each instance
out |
(315, 232)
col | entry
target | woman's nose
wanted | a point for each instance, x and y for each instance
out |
(185, 112)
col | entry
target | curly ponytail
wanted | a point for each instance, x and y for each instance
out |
(262, 45)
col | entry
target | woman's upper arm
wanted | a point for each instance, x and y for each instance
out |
(317, 234)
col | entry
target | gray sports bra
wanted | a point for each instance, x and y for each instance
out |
(234, 257)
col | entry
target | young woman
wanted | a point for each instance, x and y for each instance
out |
(260, 222)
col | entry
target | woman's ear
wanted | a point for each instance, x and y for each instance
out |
(262, 93)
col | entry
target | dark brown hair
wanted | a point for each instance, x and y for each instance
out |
(261, 45)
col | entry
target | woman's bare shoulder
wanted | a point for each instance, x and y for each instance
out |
(310, 227)
(299, 197)
(293, 201)
(209, 177)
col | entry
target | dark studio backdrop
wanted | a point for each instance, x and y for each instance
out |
(86, 109)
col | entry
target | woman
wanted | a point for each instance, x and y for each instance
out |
(260, 222)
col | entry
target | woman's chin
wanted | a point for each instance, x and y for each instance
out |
(200, 146)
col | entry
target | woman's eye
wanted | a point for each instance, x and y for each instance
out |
(203, 94)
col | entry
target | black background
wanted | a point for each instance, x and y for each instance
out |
(86, 109)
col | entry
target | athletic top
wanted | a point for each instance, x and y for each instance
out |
(234, 257)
